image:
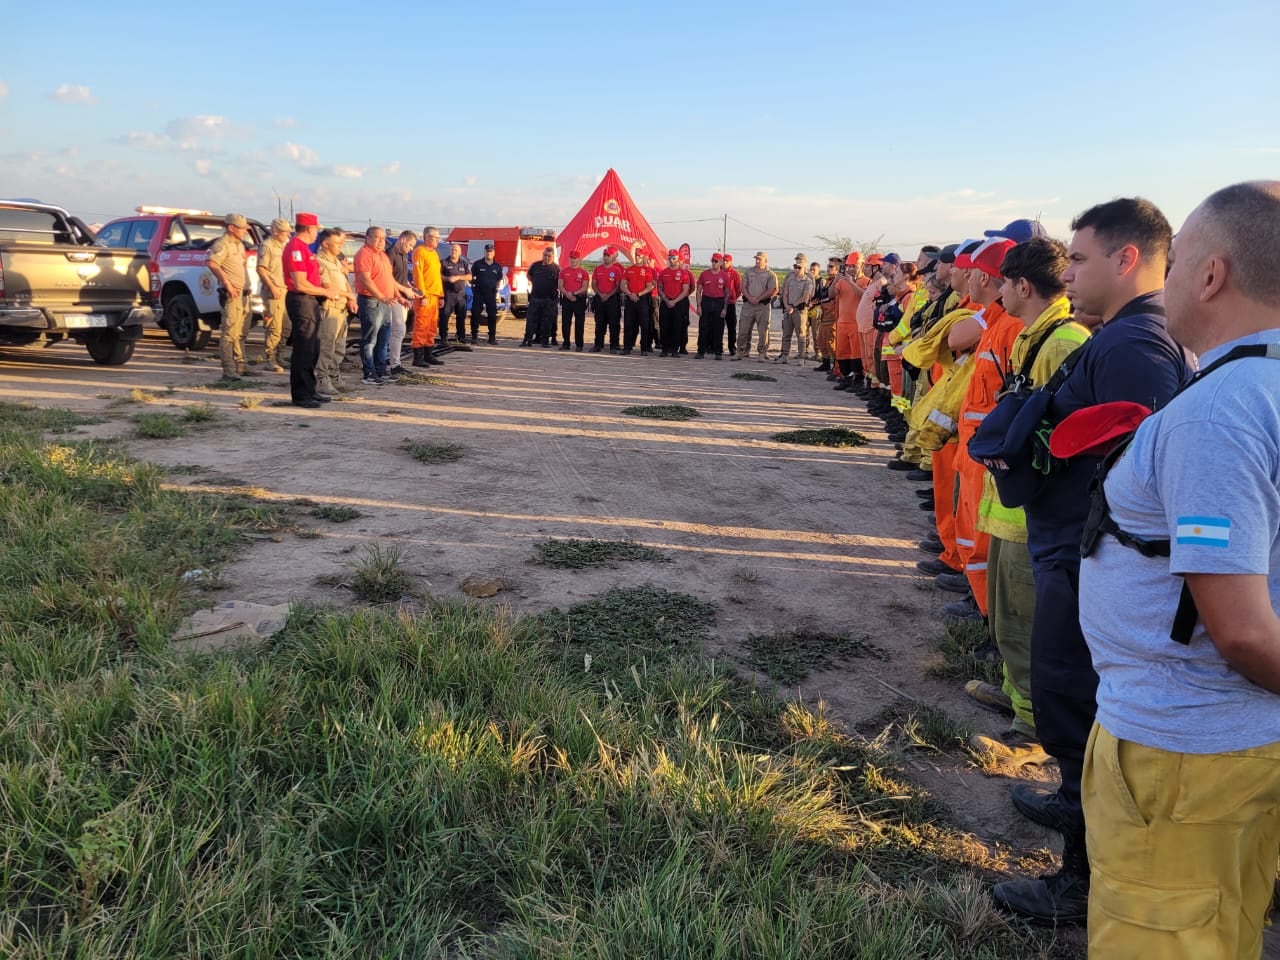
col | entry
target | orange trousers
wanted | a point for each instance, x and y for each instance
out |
(867, 343)
(426, 321)
(894, 365)
(848, 346)
(973, 543)
(944, 502)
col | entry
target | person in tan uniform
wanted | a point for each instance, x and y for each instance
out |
(228, 265)
(271, 273)
(334, 313)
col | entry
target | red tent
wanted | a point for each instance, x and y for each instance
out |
(610, 218)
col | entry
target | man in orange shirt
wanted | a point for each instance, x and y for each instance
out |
(845, 294)
(606, 280)
(991, 362)
(430, 285)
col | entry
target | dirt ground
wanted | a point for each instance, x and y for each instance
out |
(777, 536)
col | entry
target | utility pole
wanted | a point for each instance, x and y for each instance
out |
(724, 234)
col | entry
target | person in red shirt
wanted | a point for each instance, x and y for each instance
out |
(302, 303)
(714, 289)
(637, 315)
(574, 287)
(731, 303)
(606, 280)
(674, 285)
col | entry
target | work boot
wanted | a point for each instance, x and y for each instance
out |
(897, 463)
(1040, 805)
(824, 366)
(432, 360)
(1011, 749)
(932, 546)
(921, 476)
(272, 364)
(952, 582)
(934, 567)
(420, 357)
(962, 611)
(990, 696)
(493, 338)
(1058, 898)
(924, 493)
(844, 384)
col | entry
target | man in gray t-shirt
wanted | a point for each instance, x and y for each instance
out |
(1181, 784)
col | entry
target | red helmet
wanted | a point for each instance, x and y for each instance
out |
(853, 259)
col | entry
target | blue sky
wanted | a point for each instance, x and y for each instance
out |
(868, 121)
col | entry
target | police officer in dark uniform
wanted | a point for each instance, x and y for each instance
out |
(486, 278)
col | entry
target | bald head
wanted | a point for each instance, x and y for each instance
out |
(1242, 222)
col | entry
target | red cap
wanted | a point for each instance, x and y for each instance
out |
(574, 253)
(306, 220)
(874, 260)
(990, 256)
(1093, 431)
(673, 253)
(610, 251)
(853, 259)
(716, 256)
(728, 258)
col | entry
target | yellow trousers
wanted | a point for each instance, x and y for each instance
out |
(1182, 849)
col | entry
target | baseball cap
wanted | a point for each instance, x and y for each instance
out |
(610, 251)
(892, 259)
(574, 254)
(280, 224)
(762, 254)
(874, 260)
(1092, 430)
(728, 258)
(948, 253)
(235, 220)
(963, 255)
(716, 256)
(673, 253)
(990, 255)
(1019, 231)
(307, 220)
(489, 246)
(930, 266)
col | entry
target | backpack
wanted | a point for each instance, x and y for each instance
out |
(1100, 522)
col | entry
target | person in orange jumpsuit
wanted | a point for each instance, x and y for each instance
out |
(846, 293)
(426, 312)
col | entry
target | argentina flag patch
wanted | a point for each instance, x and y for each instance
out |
(1203, 532)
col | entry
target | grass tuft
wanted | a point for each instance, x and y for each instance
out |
(790, 656)
(238, 383)
(666, 411)
(967, 653)
(158, 426)
(380, 577)
(823, 437)
(575, 554)
(335, 513)
(250, 403)
(431, 451)
(428, 379)
(765, 378)
(25, 417)
(199, 413)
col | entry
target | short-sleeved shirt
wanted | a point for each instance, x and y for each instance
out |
(714, 283)
(1130, 357)
(426, 271)
(573, 279)
(735, 284)
(846, 294)
(451, 269)
(298, 258)
(673, 280)
(332, 274)
(378, 266)
(485, 276)
(606, 277)
(637, 277)
(1203, 473)
(544, 281)
(227, 253)
(271, 259)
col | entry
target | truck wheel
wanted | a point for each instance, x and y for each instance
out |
(182, 322)
(109, 348)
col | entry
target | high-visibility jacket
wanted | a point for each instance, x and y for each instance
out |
(1010, 523)
(934, 417)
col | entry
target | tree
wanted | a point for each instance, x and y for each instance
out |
(841, 246)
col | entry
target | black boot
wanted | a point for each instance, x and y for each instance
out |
(1061, 897)
(420, 357)
(824, 366)
(846, 383)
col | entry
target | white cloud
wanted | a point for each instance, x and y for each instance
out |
(142, 138)
(284, 123)
(351, 173)
(470, 181)
(308, 160)
(202, 167)
(190, 132)
(69, 93)
(4, 90)
(390, 169)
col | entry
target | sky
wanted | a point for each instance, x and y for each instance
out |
(865, 121)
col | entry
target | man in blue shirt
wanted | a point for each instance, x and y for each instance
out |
(1182, 773)
(1116, 271)
(486, 278)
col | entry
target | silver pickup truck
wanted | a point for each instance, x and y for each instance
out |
(57, 284)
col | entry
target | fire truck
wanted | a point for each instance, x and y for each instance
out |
(513, 247)
(176, 243)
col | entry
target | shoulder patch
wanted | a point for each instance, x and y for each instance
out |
(1204, 531)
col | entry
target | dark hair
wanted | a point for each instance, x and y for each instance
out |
(327, 233)
(932, 249)
(1129, 220)
(1246, 219)
(408, 235)
(1040, 261)
(908, 269)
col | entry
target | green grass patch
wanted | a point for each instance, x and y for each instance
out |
(762, 377)
(158, 426)
(664, 411)
(379, 576)
(432, 451)
(576, 554)
(453, 783)
(967, 653)
(790, 656)
(823, 437)
(235, 383)
(199, 413)
(26, 417)
(410, 377)
(335, 513)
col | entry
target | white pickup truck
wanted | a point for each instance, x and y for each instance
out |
(176, 243)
